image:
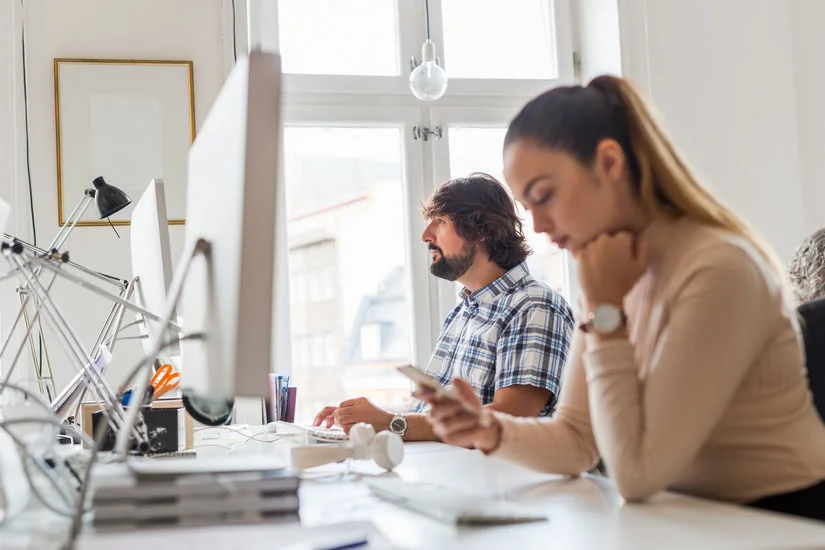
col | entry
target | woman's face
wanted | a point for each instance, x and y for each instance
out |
(570, 202)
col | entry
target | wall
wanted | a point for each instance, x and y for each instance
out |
(808, 20)
(200, 30)
(722, 76)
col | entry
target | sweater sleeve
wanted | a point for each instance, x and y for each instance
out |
(564, 443)
(649, 429)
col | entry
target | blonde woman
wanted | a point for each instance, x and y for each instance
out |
(687, 371)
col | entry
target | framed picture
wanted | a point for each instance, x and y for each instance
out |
(127, 120)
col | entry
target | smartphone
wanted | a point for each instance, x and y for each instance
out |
(422, 379)
(425, 380)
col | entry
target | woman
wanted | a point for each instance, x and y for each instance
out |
(687, 372)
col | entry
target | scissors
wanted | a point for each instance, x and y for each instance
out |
(165, 379)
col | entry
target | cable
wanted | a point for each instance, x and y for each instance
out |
(427, 11)
(43, 465)
(26, 120)
(28, 157)
(77, 519)
(234, 34)
(255, 437)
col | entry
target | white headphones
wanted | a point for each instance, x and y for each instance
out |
(385, 448)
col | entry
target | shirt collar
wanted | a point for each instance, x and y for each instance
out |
(496, 288)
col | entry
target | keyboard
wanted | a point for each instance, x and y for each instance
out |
(174, 454)
(449, 505)
(327, 435)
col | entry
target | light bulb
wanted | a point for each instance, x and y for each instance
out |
(428, 81)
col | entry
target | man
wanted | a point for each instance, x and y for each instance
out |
(807, 269)
(510, 333)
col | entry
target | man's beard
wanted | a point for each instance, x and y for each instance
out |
(451, 268)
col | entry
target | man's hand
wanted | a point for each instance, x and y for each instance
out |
(360, 409)
(326, 417)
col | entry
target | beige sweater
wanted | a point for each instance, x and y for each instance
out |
(708, 396)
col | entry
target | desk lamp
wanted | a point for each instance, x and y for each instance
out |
(108, 200)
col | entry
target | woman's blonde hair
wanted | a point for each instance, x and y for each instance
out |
(576, 119)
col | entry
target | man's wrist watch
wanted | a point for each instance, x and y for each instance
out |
(398, 424)
(605, 319)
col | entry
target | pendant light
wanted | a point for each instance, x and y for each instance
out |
(428, 81)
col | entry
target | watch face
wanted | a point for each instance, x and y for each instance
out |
(607, 318)
(398, 425)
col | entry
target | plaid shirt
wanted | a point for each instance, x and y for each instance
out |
(514, 331)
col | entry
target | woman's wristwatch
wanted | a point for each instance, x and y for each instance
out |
(605, 319)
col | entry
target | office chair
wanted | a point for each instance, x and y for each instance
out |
(813, 332)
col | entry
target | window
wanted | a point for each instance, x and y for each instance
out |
(357, 167)
(482, 40)
(344, 196)
(352, 37)
(478, 149)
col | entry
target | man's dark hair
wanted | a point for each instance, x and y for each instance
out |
(483, 213)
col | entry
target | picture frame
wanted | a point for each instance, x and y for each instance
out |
(128, 120)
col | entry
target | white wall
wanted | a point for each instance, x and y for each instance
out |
(808, 20)
(197, 30)
(722, 75)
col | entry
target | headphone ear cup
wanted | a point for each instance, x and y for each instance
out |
(361, 437)
(387, 450)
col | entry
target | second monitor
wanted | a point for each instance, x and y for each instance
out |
(232, 204)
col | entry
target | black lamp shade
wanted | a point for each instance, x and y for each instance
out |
(109, 199)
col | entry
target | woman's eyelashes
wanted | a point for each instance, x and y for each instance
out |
(543, 197)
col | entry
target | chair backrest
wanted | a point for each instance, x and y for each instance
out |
(813, 331)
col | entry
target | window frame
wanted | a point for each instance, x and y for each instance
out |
(473, 117)
(411, 34)
(419, 281)
(386, 101)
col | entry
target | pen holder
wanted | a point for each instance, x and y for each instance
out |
(281, 403)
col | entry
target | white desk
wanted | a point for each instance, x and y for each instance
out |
(584, 513)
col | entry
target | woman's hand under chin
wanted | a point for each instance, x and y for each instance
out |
(610, 265)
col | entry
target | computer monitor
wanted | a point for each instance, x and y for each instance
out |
(152, 262)
(232, 204)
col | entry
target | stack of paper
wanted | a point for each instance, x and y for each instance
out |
(183, 492)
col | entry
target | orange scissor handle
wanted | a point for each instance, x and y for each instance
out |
(164, 380)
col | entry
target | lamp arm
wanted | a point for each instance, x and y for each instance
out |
(100, 292)
(111, 279)
(70, 223)
(73, 348)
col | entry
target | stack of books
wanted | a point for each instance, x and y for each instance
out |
(148, 493)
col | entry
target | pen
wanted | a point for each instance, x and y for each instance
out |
(357, 544)
(345, 544)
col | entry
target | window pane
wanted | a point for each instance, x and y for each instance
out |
(348, 265)
(355, 37)
(479, 150)
(497, 39)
